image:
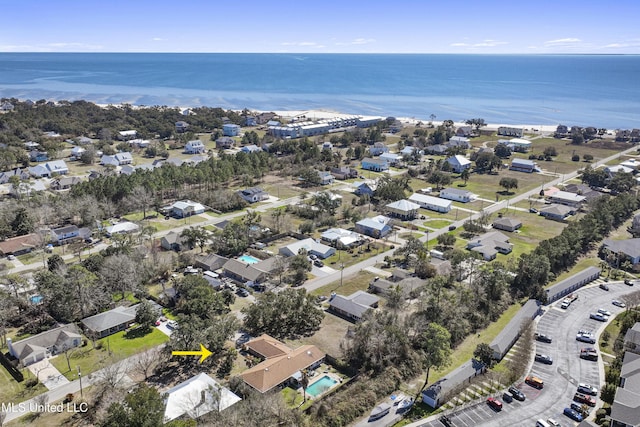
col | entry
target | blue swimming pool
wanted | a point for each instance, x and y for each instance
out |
(36, 299)
(248, 259)
(320, 386)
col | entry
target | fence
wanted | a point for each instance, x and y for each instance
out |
(15, 372)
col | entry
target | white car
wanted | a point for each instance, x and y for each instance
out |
(618, 303)
(587, 389)
(604, 312)
(599, 317)
(172, 324)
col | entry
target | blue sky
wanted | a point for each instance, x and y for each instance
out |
(329, 26)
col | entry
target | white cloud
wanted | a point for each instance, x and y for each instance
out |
(358, 41)
(299, 44)
(563, 42)
(158, 39)
(484, 43)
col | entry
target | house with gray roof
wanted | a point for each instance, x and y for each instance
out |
(457, 195)
(243, 272)
(174, 242)
(557, 212)
(45, 344)
(570, 284)
(507, 224)
(211, 262)
(490, 244)
(630, 248)
(403, 209)
(632, 339)
(311, 246)
(625, 410)
(440, 391)
(109, 322)
(376, 227)
(510, 334)
(354, 306)
(253, 194)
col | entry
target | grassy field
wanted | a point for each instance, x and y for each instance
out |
(121, 345)
(13, 391)
(486, 185)
(360, 282)
(328, 337)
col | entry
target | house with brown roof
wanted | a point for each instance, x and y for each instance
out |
(281, 365)
(19, 245)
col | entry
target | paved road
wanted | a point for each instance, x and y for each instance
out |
(562, 377)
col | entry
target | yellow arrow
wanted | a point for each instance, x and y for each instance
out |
(203, 353)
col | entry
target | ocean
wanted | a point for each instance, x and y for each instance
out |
(583, 90)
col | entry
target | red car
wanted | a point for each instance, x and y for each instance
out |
(495, 404)
(583, 398)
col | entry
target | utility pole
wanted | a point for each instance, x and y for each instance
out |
(80, 379)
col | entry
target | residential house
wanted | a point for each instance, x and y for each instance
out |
(459, 163)
(243, 272)
(38, 156)
(459, 141)
(614, 170)
(6, 106)
(76, 152)
(109, 322)
(181, 126)
(58, 167)
(174, 241)
(457, 195)
(518, 144)
(196, 397)
(281, 365)
(263, 118)
(625, 410)
(344, 172)
(186, 208)
(194, 147)
(464, 131)
(406, 285)
(225, 142)
(409, 150)
(510, 131)
(432, 203)
(378, 148)
(524, 165)
(210, 262)
(254, 194)
(84, 140)
(632, 339)
(26, 189)
(126, 135)
(376, 165)
(251, 121)
(557, 212)
(392, 158)
(64, 182)
(230, 129)
(124, 227)
(66, 234)
(623, 135)
(139, 143)
(507, 224)
(631, 164)
(376, 227)
(45, 344)
(341, 238)
(568, 199)
(325, 177)
(583, 190)
(129, 169)
(510, 333)
(118, 159)
(570, 284)
(490, 244)
(311, 246)
(23, 174)
(630, 248)
(354, 306)
(440, 391)
(367, 187)
(251, 148)
(437, 149)
(403, 209)
(19, 245)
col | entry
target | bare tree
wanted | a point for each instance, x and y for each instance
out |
(113, 373)
(147, 361)
(120, 274)
(40, 401)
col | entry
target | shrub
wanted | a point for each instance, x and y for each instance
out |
(575, 158)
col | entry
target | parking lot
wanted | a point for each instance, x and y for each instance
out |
(560, 378)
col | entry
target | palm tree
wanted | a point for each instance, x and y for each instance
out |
(304, 381)
(465, 176)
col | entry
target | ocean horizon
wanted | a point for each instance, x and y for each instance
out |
(583, 90)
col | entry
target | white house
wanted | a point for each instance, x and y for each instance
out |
(128, 134)
(341, 237)
(403, 209)
(459, 141)
(459, 163)
(457, 195)
(118, 159)
(391, 158)
(185, 208)
(431, 203)
(48, 169)
(124, 227)
(194, 147)
(76, 152)
(253, 194)
(311, 246)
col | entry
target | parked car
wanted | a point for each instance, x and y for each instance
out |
(533, 210)
(586, 337)
(573, 414)
(313, 257)
(584, 398)
(628, 282)
(242, 292)
(583, 410)
(506, 396)
(553, 423)
(452, 227)
(495, 404)
(534, 382)
(172, 324)
(604, 286)
(589, 354)
(604, 312)
(543, 358)
(517, 393)
(318, 263)
(543, 338)
(587, 389)
(618, 303)
(599, 317)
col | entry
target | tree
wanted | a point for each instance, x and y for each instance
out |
(196, 236)
(484, 354)
(464, 175)
(622, 182)
(286, 314)
(120, 274)
(587, 158)
(146, 315)
(143, 408)
(577, 139)
(392, 189)
(502, 150)
(22, 223)
(486, 162)
(434, 345)
(446, 239)
(508, 183)
(550, 151)
(478, 123)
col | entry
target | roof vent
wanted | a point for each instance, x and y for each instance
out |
(309, 352)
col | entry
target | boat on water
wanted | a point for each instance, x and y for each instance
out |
(379, 411)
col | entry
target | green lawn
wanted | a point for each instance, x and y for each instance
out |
(346, 258)
(359, 282)
(436, 224)
(13, 391)
(121, 345)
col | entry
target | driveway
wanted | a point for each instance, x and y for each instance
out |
(48, 375)
(562, 377)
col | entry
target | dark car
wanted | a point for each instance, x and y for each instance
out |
(543, 358)
(533, 210)
(318, 263)
(517, 394)
(604, 286)
(543, 338)
(589, 354)
(628, 282)
(579, 408)
(573, 414)
(452, 227)
(242, 292)
(506, 396)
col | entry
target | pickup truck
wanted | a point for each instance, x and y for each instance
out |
(568, 300)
